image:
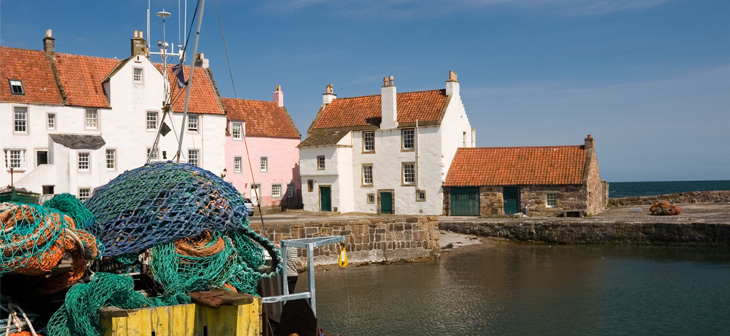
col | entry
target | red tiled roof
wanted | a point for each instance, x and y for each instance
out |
(263, 118)
(82, 76)
(500, 166)
(33, 69)
(204, 94)
(426, 106)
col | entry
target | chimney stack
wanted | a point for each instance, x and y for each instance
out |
(589, 142)
(388, 104)
(138, 44)
(328, 96)
(279, 96)
(452, 85)
(201, 61)
(49, 44)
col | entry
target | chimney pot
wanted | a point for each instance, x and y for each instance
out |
(391, 81)
(279, 96)
(49, 33)
(452, 76)
(328, 94)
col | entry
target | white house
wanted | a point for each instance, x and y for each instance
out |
(386, 153)
(74, 122)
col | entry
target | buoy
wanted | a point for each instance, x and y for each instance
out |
(343, 256)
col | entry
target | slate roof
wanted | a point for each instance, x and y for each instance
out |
(426, 106)
(504, 166)
(78, 141)
(263, 118)
(33, 69)
(204, 93)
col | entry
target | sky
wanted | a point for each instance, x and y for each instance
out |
(648, 79)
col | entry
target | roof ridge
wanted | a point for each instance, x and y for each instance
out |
(397, 93)
(513, 147)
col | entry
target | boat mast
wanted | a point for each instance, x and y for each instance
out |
(190, 81)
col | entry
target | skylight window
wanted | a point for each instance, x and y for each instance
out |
(16, 87)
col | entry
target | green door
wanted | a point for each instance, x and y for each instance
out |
(511, 200)
(386, 203)
(325, 198)
(465, 201)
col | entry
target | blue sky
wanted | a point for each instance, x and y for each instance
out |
(649, 79)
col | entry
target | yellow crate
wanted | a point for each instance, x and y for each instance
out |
(240, 315)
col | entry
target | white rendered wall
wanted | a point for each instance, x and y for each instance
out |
(325, 177)
(453, 127)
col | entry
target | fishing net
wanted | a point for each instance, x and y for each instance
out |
(34, 240)
(161, 202)
(71, 206)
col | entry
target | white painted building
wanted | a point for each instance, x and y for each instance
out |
(386, 153)
(75, 122)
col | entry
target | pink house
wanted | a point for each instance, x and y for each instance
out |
(261, 151)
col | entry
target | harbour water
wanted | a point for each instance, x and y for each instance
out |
(630, 189)
(534, 290)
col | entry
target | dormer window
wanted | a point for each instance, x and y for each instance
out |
(236, 130)
(138, 75)
(16, 87)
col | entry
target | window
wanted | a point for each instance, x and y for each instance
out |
(367, 174)
(15, 158)
(236, 131)
(551, 200)
(138, 75)
(264, 163)
(193, 157)
(420, 195)
(409, 173)
(84, 161)
(371, 198)
(153, 155)
(91, 119)
(41, 157)
(111, 159)
(84, 194)
(290, 190)
(151, 121)
(255, 189)
(463, 139)
(368, 141)
(320, 162)
(310, 185)
(51, 117)
(193, 123)
(21, 119)
(237, 164)
(407, 138)
(276, 190)
(16, 87)
(49, 190)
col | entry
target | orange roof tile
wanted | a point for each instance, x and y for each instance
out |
(204, 94)
(500, 166)
(82, 76)
(263, 118)
(426, 106)
(33, 69)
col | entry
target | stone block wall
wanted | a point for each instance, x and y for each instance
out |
(569, 197)
(717, 196)
(376, 239)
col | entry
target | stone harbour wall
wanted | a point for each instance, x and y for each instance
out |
(376, 239)
(586, 232)
(718, 196)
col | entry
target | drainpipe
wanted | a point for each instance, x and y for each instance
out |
(417, 157)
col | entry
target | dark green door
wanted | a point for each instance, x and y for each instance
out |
(325, 198)
(386, 203)
(465, 201)
(511, 200)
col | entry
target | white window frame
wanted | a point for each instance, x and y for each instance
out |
(83, 161)
(237, 164)
(264, 164)
(367, 180)
(20, 119)
(418, 195)
(321, 162)
(371, 198)
(155, 155)
(110, 159)
(194, 159)
(138, 75)
(408, 175)
(84, 193)
(551, 200)
(193, 126)
(368, 140)
(237, 130)
(276, 191)
(91, 118)
(16, 83)
(408, 139)
(51, 120)
(15, 155)
(151, 121)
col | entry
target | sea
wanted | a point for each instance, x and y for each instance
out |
(631, 189)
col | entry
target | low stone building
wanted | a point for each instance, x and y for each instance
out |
(538, 181)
